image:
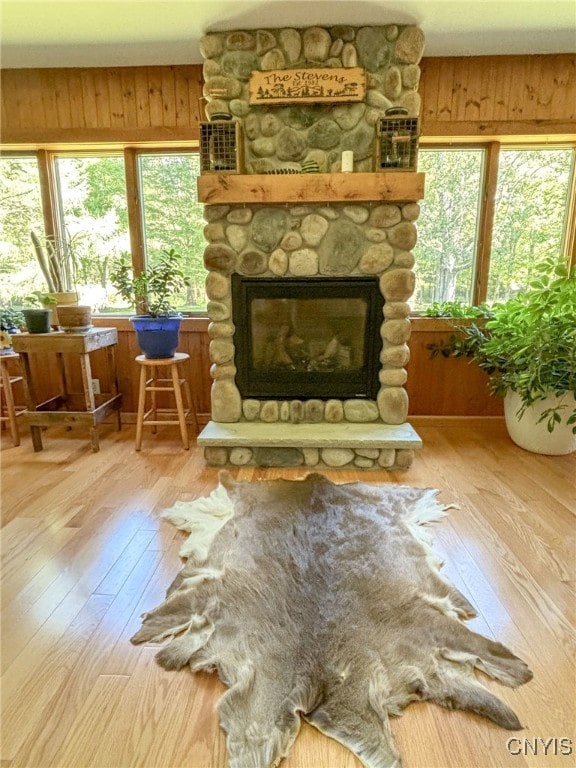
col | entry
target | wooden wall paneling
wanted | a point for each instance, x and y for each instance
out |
(116, 100)
(76, 93)
(184, 110)
(11, 100)
(155, 96)
(88, 86)
(63, 108)
(102, 97)
(168, 96)
(49, 98)
(34, 116)
(445, 92)
(453, 386)
(128, 86)
(142, 97)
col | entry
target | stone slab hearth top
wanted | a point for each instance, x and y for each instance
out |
(340, 435)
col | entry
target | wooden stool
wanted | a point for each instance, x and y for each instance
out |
(11, 410)
(151, 382)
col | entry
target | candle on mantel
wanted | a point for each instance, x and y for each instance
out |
(347, 161)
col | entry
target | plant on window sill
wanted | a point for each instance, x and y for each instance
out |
(152, 290)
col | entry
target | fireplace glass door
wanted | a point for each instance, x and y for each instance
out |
(312, 338)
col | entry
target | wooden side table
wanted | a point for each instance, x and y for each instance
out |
(84, 408)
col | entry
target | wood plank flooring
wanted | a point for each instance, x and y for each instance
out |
(84, 553)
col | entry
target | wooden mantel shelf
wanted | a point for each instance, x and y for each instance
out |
(220, 188)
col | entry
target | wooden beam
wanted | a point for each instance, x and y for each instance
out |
(217, 188)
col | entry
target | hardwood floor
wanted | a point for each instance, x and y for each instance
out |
(85, 553)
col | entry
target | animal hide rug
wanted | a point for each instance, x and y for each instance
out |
(322, 601)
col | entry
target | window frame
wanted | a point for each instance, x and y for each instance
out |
(492, 145)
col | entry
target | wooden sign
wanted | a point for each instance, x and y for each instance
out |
(307, 86)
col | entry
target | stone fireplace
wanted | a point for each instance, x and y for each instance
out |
(309, 274)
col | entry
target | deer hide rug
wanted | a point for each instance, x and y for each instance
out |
(322, 601)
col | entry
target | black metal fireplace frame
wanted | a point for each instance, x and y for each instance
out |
(359, 383)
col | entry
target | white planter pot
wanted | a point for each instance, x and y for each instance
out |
(528, 434)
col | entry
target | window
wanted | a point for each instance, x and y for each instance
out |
(456, 259)
(20, 213)
(94, 223)
(173, 218)
(532, 198)
(448, 225)
(90, 213)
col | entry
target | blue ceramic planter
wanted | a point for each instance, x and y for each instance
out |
(157, 336)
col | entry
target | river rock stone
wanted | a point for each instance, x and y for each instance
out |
(360, 411)
(264, 41)
(237, 236)
(291, 241)
(240, 456)
(324, 134)
(316, 43)
(273, 59)
(221, 351)
(410, 76)
(396, 310)
(278, 457)
(392, 83)
(311, 456)
(220, 330)
(373, 48)
(403, 235)
(386, 457)
(290, 145)
(251, 409)
(227, 87)
(393, 405)
(226, 371)
(296, 411)
(393, 377)
(263, 146)
(337, 457)
(269, 412)
(278, 262)
(226, 401)
(404, 259)
(239, 65)
(334, 411)
(376, 259)
(291, 43)
(218, 310)
(270, 125)
(397, 284)
(385, 216)
(349, 56)
(412, 101)
(313, 229)
(409, 46)
(217, 286)
(216, 457)
(240, 216)
(211, 46)
(268, 227)
(214, 232)
(220, 257)
(395, 355)
(356, 213)
(375, 235)
(396, 331)
(411, 211)
(252, 262)
(313, 411)
(215, 212)
(240, 41)
(340, 249)
(404, 458)
(303, 261)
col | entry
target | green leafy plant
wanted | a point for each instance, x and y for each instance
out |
(457, 309)
(528, 345)
(10, 317)
(150, 291)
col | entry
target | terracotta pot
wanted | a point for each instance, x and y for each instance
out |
(74, 318)
(61, 298)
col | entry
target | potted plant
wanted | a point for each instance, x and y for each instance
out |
(57, 264)
(38, 319)
(11, 319)
(528, 348)
(157, 325)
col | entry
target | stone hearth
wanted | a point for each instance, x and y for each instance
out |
(328, 225)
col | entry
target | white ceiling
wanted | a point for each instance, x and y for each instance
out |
(72, 33)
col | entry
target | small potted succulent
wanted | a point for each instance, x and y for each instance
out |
(157, 325)
(11, 320)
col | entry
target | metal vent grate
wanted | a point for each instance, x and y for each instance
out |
(220, 147)
(397, 143)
